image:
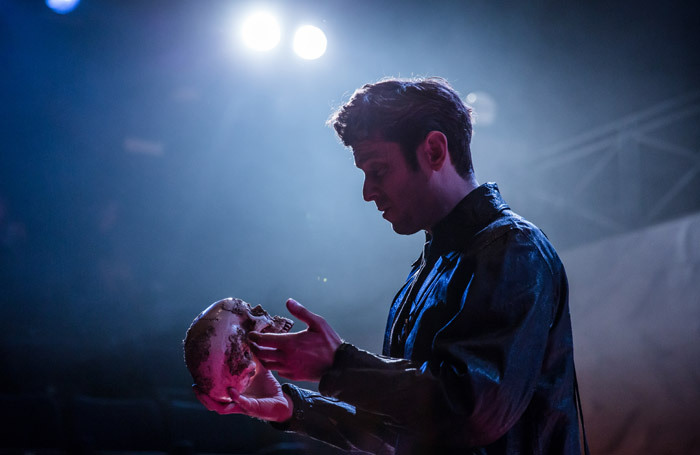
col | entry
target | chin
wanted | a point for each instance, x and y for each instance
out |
(404, 230)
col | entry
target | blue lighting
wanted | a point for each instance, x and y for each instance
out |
(62, 6)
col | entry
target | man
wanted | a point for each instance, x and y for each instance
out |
(478, 354)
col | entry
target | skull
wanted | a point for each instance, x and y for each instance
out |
(216, 348)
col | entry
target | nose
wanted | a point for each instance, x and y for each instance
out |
(369, 190)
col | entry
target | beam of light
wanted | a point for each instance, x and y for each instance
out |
(261, 31)
(62, 6)
(143, 146)
(310, 42)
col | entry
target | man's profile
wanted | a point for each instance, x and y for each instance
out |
(478, 351)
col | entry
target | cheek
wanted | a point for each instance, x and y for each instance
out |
(397, 188)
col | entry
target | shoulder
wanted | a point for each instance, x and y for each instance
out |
(512, 235)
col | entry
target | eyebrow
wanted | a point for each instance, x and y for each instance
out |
(363, 162)
(363, 157)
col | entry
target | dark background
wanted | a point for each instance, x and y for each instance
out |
(150, 165)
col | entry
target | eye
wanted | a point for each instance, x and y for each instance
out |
(257, 311)
(377, 172)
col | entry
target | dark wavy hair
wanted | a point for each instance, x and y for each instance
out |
(405, 111)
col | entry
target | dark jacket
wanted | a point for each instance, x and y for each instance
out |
(478, 354)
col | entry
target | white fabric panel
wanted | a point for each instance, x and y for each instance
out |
(635, 304)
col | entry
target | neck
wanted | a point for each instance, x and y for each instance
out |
(451, 192)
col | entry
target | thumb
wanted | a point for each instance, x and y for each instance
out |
(297, 310)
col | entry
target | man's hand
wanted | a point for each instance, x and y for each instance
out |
(299, 356)
(263, 399)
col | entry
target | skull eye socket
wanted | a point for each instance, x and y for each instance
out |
(258, 311)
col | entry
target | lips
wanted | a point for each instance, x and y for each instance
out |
(384, 208)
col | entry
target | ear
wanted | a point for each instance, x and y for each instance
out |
(435, 150)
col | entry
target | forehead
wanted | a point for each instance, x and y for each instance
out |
(371, 150)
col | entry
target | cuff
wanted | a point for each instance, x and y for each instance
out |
(327, 386)
(301, 406)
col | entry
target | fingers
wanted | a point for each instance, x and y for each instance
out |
(267, 403)
(214, 405)
(269, 358)
(288, 373)
(260, 408)
(267, 340)
(297, 310)
(266, 354)
(272, 366)
(243, 403)
(240, 404)
(280, 340)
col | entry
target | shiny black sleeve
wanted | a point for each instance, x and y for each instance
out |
(337, 423)
(484, 361)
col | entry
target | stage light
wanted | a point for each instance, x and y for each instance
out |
(62, 6)
(261, 31)
(484, 106)
(310, 42)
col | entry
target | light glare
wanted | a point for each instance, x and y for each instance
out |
(261, 32)
(62, 6)
(484, 106)
(309, 42)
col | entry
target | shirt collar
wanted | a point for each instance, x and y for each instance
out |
(473, 213)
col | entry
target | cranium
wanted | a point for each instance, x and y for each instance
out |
(216, 348)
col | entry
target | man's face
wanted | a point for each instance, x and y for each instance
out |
(399, 191)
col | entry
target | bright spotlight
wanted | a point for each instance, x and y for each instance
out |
(261, 32)
(310, 42)
(62, 6)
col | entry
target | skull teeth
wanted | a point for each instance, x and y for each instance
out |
(286, 326)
